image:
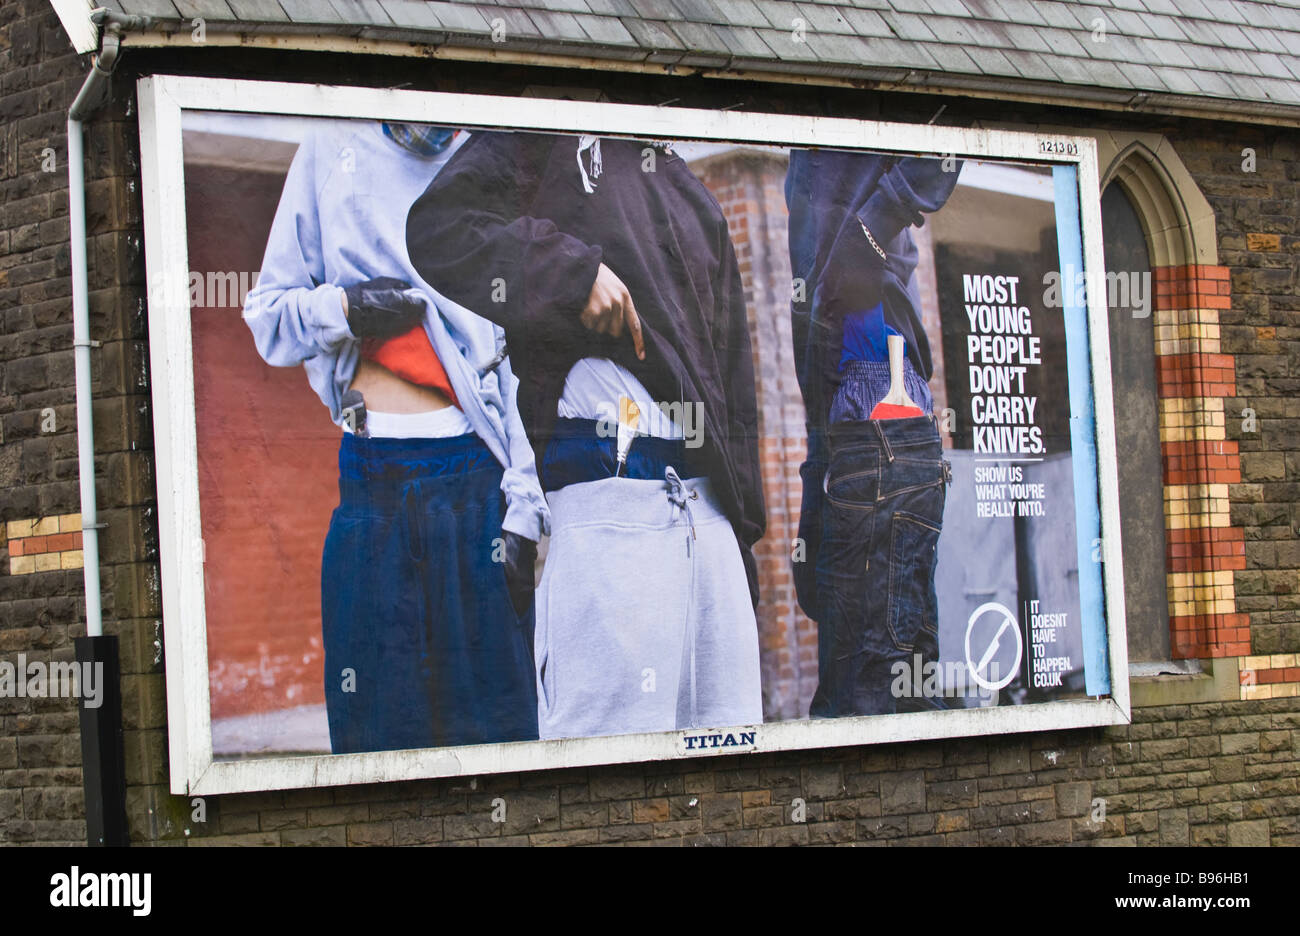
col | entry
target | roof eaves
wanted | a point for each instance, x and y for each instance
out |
(1072, 87)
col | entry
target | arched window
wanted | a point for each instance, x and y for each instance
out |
(1137, 430)
(1171, 390)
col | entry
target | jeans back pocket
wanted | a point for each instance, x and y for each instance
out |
(912, 614)
(853, 479)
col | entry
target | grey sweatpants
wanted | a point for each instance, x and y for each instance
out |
(643, 614)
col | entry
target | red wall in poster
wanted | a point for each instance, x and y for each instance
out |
(268, 465)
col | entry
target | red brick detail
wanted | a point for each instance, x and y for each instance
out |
(1195, 375)
(1260, 677)
(31, 545)
(1201, 462)
(1205, 549)
(1192, 287)
(60, 541)
(1202, 636)
(52, 543)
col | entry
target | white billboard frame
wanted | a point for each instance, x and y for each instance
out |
(194, 771)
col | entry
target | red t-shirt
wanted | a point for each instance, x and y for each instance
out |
(411, 356)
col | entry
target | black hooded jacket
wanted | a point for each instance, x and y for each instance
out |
(516, 226)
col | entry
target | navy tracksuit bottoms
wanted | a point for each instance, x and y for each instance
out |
(422, 646)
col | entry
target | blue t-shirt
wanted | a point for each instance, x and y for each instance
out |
(865, 336)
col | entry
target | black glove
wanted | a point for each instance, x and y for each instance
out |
(812, 474)
(380, 308)
(521, 562)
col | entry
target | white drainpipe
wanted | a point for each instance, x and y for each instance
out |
(92, 95)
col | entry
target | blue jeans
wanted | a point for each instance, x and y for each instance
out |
(885, 491)
(414, 605)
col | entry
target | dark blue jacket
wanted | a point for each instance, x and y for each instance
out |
(833, 196)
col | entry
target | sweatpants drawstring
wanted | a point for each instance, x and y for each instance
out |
(678, 494)
(681, 498)
(412, 508)
(591, 143)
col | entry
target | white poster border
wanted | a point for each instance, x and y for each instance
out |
(194, 771)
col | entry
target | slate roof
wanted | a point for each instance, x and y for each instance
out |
(1231, 56)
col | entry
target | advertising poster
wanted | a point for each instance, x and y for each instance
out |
(508, 436)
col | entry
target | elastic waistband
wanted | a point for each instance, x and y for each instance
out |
(636, 503)
(394, 461)
(873, 369)
(863, 384)
(446, 423)
(576, 454)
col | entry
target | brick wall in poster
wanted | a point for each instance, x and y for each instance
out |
(749, 185)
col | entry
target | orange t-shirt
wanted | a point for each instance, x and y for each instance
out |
(411, 356)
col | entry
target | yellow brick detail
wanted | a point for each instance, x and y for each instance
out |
(22, 565)
(70, 559)
(46, 526)
(1187, 335)
(1191, 418)
(46, 562)
(1186, 316)
(1204, 581)
(1202, 606)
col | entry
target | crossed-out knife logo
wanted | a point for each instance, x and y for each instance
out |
(990, 632)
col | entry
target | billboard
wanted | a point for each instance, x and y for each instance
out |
(499, 434)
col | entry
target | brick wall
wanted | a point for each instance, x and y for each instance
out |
(1216, 774)
(1256, 377)
(41, 797)
(40, 778)
(1210, 772)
